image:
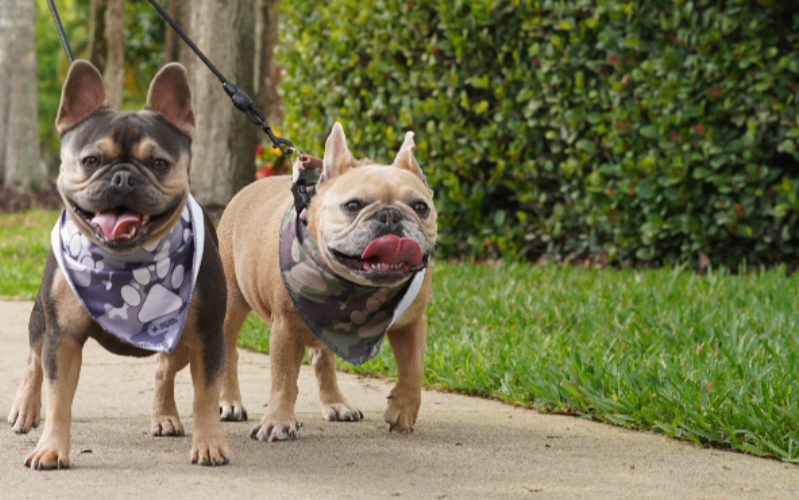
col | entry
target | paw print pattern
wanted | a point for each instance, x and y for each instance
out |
(141, 297)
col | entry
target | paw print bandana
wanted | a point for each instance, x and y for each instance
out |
(142, 297)
(350, 319)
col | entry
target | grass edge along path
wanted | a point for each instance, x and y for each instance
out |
(712, 359)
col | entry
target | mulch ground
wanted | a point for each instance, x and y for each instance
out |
(14, 202)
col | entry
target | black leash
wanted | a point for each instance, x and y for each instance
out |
(61, 34)
(242, 101)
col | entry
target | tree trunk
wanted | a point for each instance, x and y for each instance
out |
(98, 45)
(23, 170)
(224, 140)
(6, 37)
(115, 62)
(267, 73)
(173, 45)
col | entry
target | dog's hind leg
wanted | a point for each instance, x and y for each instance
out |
(230, 405)
(334, 404)
(165, 420)
(27, 408)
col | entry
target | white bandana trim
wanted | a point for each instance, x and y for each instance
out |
(410, 296)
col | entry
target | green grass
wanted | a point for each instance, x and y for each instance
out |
(712, 359)
(24, 245)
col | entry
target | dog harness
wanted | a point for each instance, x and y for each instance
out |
(350, 319)
(142, 297)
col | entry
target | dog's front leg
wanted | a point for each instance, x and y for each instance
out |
(209, 446)
(63, 357)
(286, 350)
(165, 419)
(407, 343)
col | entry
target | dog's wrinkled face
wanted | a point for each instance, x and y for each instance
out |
(124, 177)
(375, 224)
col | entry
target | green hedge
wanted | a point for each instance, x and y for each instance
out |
(644, 131)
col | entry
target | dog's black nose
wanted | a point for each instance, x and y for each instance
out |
(389, 216)
(122, 179)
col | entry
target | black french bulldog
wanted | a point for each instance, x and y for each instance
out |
(131, 226)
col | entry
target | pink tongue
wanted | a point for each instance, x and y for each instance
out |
(115, 224)
(392, 250)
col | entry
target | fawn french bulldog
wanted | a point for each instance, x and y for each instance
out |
(334, 277)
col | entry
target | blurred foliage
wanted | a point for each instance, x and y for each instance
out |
(144, 43)
(269, 160)
(642, 131)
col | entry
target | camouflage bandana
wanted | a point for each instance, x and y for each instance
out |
(143, 297)
(350, 319)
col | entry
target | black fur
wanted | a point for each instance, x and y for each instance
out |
(211, 305)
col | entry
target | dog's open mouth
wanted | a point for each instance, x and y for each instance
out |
(121, 226)
(386, 257)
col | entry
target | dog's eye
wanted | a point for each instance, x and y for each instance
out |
(353, 206)
(420, 208)
(159, 164)
(91, 162)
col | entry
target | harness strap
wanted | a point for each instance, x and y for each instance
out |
(307, 171)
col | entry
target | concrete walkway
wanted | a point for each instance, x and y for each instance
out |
(463, 448)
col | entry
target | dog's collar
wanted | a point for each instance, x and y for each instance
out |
(305, 177)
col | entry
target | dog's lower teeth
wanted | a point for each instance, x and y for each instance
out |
(381, 266)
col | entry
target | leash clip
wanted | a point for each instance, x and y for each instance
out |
(306, 176)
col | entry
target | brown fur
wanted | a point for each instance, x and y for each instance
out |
(249, 236)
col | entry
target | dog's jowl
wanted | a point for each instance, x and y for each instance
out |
(334, 274)
(134, 265)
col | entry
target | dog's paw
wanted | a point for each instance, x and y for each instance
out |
(209, 446)
(232, 411)
(25, 415)
(275, 429)
(166, 425)
(401, 413)
(48, 455)
(210, 452)
(341, 413)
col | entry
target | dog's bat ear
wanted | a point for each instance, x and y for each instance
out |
(338, 158)
(82, 95)
(170, 96)
(405, 159)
